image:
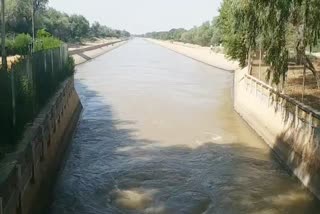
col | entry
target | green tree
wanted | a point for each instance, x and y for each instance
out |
(45, 41)
(57, 23)
(244, 22)
(21, 44)
(96, 30)
(79, 26)
(19, 16)
(234, 25)
(203, 34)
(216, 38)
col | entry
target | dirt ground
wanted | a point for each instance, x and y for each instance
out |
(310, 95)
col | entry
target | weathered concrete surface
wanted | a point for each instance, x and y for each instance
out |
(83, 55)
(202, 54)
(28, 174)
(287, 127)
(88, 44)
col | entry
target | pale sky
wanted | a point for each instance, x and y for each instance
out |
(141, 16)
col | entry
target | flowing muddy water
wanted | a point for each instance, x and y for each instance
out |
(159, 135)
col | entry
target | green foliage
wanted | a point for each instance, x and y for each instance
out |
(42, 33)
(216, 38)
(233, 31)
(21, 44)
(79, 27)
(10, 47)
(173, 34)
(205, 35)
(68, 28)
(46, 41)
(18, 14)
(101, 31)
(70, 66)
(282, 27)
(57, 23)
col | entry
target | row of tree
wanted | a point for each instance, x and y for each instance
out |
(68, 28)
(205, 35)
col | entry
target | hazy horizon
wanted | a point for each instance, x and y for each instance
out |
(142, 16)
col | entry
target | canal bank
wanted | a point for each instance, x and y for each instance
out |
(28, 174)
(159, 134)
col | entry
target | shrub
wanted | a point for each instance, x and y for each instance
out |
(70, 65)
(21, 44)
(42, 33)
(46, 41)
(10, 47)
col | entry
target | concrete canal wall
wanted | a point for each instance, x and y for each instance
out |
(290, 128)
(82, 55)
(27, 175)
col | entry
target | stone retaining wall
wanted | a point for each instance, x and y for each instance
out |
(28, 175)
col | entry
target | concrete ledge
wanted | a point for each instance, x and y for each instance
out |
(86, 54)
(27, 175)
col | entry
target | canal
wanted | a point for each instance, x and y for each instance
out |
(158, 134)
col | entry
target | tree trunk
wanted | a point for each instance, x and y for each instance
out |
(3, 36)
(315, 73)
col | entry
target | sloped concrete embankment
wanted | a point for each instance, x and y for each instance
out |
(85, 54)
(290, 128)
(28, 175)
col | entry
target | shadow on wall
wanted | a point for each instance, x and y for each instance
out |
(111, 170)
(298, 145)
(299, 149)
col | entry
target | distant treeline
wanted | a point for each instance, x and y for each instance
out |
(205, 35)
(68, 28)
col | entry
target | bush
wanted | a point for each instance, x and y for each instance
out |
(70, 66)
(47, 43)
(10, 47)
(22, 43)
(42, 33)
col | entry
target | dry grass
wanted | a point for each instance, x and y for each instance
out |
(294, 84)
(11, 60)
